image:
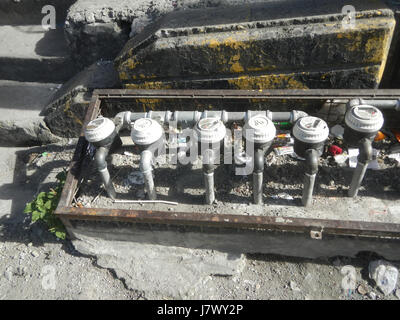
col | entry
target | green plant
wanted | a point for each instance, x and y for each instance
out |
(44, 205)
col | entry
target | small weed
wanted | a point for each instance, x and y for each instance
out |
(44, 205)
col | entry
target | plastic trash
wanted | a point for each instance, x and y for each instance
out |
(335, 150)
(384, 274)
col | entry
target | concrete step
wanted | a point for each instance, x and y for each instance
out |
(30, 11)
(31, 53)
(20, 107)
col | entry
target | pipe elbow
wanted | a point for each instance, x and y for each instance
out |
(145, 164)
(311, 157)
(209, 161)
(365, 147)
(100, 158)
(259, 160)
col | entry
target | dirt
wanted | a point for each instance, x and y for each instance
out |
(283, 182)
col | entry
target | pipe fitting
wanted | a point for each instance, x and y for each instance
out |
(145, 167)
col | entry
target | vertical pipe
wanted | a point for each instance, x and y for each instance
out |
(311, 156)
(209, 186)
(308, 188)
(101, 155)
(364, 157)
(105, 176)
(258, 187)
(208, 174)
(258, 174)
(145, 167)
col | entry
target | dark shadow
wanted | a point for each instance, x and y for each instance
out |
(17, 226)
(53, 44)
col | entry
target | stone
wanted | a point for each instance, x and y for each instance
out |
(278, 44)
(8, 275)
(362, 289)
(372, 295)
(397, 293)
(65, 113)
(384, 274)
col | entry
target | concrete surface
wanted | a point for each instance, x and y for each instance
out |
(30, 53)
(282, 44)
(20, 105)
(157, 269)
(25, 12)
(106, 25)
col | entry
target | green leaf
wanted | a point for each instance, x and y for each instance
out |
(48, 204)
(28, 208)
(35, 215)
(61, 235)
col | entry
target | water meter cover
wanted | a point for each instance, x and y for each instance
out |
(146, 131)
(209, 130)
(99, 129)
(364, 118)
(311, 130)
(259, 129)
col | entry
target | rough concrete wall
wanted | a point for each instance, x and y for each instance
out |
(99, 29)
(64, 115)
(284, 44)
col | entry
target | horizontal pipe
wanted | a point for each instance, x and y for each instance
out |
(387, 104)
(191, 117)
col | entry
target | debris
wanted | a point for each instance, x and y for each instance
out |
(284, 196)
(353, 154)
(335, 150)
(34, 254)
(127, 153)
(397, 293)
(363, 289)
(372, 295)
(396, 134)
(384, 274)
(280, 151)
(395, 156)
(340, 159)
(337, 131)
(379, 136)
(135, 177)
(283, 125)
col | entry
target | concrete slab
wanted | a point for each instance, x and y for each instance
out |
(171, 271)
(30, 53)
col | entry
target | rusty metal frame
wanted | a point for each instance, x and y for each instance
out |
(239, 222)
